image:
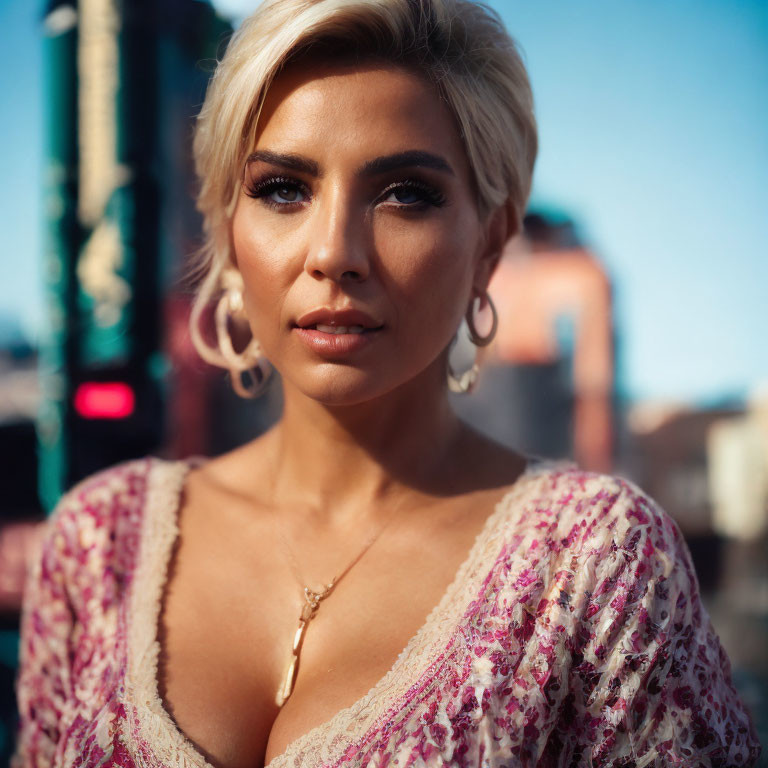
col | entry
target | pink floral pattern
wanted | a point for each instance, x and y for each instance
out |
(582, 642)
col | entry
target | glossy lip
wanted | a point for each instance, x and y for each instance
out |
(336, 345)
(345, 317)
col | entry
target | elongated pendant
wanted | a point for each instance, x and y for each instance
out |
(312, 601)
(293, 667)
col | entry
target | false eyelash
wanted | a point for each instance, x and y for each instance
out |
(261, 188)
(267, 184)
(432, 196)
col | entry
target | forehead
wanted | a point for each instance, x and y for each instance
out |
(360, 110)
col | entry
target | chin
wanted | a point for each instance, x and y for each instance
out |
(338, 386)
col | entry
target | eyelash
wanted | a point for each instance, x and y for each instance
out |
(262, 188)
(430, 195)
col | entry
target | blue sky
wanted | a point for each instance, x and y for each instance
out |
(653, 119)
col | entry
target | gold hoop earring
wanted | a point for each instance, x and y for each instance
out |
(249, 363)
(465, 382)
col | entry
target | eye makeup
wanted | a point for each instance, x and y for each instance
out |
(429, 196)
(263, 187)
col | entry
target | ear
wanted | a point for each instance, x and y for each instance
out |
(500, 227)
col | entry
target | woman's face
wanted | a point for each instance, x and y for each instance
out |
(357, 195)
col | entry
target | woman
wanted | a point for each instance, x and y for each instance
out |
(370, 582)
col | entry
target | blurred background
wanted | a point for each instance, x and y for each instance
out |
(633, 311)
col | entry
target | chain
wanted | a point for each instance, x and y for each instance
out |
(297, 569)
(312, 600)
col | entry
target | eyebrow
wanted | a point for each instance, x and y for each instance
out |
(290, 161)
(413, 158)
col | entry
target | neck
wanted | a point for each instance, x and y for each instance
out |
(343, 457)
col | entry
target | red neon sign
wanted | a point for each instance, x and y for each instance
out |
(104, 400)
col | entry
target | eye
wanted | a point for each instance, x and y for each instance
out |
(277, 191)
(411, 193)
(406, 195)
(285, 193)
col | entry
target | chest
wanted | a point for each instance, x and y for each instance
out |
(227, 624)
(477, 682)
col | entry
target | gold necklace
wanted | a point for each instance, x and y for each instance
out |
(312, 599)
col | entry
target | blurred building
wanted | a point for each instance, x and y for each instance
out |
(708, 468)
(123, 82)
(20, 510)
(547, 381)
(737, 454)
(667, 455)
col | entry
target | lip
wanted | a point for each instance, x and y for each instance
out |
(336, 345)
(345, 317)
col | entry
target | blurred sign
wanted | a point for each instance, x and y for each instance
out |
(104, 400)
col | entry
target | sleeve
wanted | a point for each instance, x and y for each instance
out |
(43, 683)
(649, 682)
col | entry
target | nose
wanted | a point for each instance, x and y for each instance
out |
(337, 249)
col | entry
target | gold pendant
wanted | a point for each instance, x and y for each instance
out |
(312, 601)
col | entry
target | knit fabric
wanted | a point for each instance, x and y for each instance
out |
(572, 635)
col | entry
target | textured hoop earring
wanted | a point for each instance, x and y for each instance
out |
(465, 381)
(250, 362)
(477, 340)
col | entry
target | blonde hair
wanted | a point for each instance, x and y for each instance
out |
(459, 45)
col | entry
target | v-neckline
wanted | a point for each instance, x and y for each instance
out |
(147, 714)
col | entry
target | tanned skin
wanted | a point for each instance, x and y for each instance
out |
(361, 438)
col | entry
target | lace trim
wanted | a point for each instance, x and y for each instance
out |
(150, 726)
(327, 742)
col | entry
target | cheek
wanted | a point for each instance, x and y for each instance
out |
(263, 267)
(430, 274)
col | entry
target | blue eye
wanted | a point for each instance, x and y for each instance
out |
(406, 196)
(277, 191)
(411, 193)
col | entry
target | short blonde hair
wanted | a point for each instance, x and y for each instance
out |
(459, 45)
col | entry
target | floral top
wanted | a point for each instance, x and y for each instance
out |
(572, 635)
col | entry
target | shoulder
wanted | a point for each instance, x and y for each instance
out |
(600, 506)
(98, 500)
(90, 539)
(604, 520)
(643, 652)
